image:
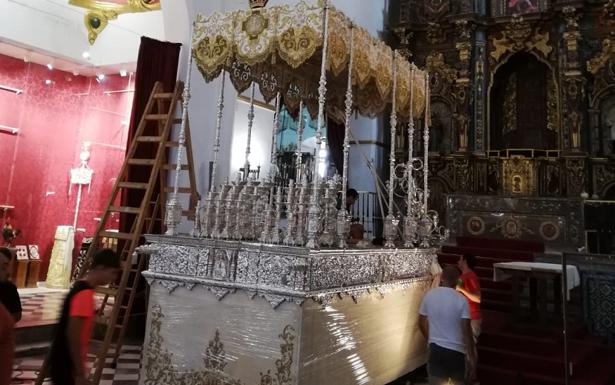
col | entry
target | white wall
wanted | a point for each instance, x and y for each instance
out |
(178, 16)
(260, 143)
(57, 28)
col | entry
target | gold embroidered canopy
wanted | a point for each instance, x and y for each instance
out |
(280, 49)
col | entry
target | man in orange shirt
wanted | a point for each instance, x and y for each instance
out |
(7, 324)
(69, 349)
(469, 286)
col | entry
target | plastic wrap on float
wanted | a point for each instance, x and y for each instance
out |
(209, 324)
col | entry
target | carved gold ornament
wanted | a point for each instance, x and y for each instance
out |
(100, 12)
(280, 47)
(517, 36)
(602, 59)
(519, 176)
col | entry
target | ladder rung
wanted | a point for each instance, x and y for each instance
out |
(149, 139)
(156, 117)
(125, 209)
(172, 144)
(181, 190)
(163, 95)
(133, 185)
(106, 291)
(174, 167)
(188, 213)
(118, 235)
(142, 162)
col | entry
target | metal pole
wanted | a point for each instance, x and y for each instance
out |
(426, 147)
(219, 115)
(314, 210)
(342, 218)
(246, 165)
(274, 135)
(390, 227)
(173, 213)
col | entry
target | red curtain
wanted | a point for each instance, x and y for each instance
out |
(157, 61)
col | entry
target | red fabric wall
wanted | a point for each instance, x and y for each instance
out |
(53, 121)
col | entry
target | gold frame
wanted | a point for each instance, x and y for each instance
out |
(100, 12)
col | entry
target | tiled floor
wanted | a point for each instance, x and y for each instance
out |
(126, 373)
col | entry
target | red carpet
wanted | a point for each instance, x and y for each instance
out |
(510, 355)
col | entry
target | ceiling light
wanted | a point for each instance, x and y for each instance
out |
(123, 73)
(76, 72)
(48, 81)
(50, 66)
(26, 59)
(85, 54)
(100, 78)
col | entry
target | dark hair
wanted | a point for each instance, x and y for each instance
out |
(352, 193)
(106, 258)
(450, 275)
(6, 252)
(470, 260)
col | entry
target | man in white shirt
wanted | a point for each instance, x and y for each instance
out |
(445, 322)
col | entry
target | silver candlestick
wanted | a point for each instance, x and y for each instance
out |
(242, 209)
(268, 217)
(290, 216)
(196, 227)
(300, 236)
(275, 236)
(219, 209)
(206, 220)
(229, 213)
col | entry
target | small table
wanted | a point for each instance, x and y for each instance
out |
(541, 273)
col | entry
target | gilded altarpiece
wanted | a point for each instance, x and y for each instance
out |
(567, 146)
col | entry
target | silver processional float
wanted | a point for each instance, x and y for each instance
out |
(333, 313)
(304, 212)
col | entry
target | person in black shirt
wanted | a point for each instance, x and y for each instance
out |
(9, 296)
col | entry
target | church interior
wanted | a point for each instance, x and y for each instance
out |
(286, 185)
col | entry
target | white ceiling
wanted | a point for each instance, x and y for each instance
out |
(82, 67)
(52, 31)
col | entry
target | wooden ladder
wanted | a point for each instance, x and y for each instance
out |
(154, 135)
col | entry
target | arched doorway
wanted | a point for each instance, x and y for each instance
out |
(524, 105)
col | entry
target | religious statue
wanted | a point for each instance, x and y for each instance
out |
(517, 184)
(462, 132)
(575, 129)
